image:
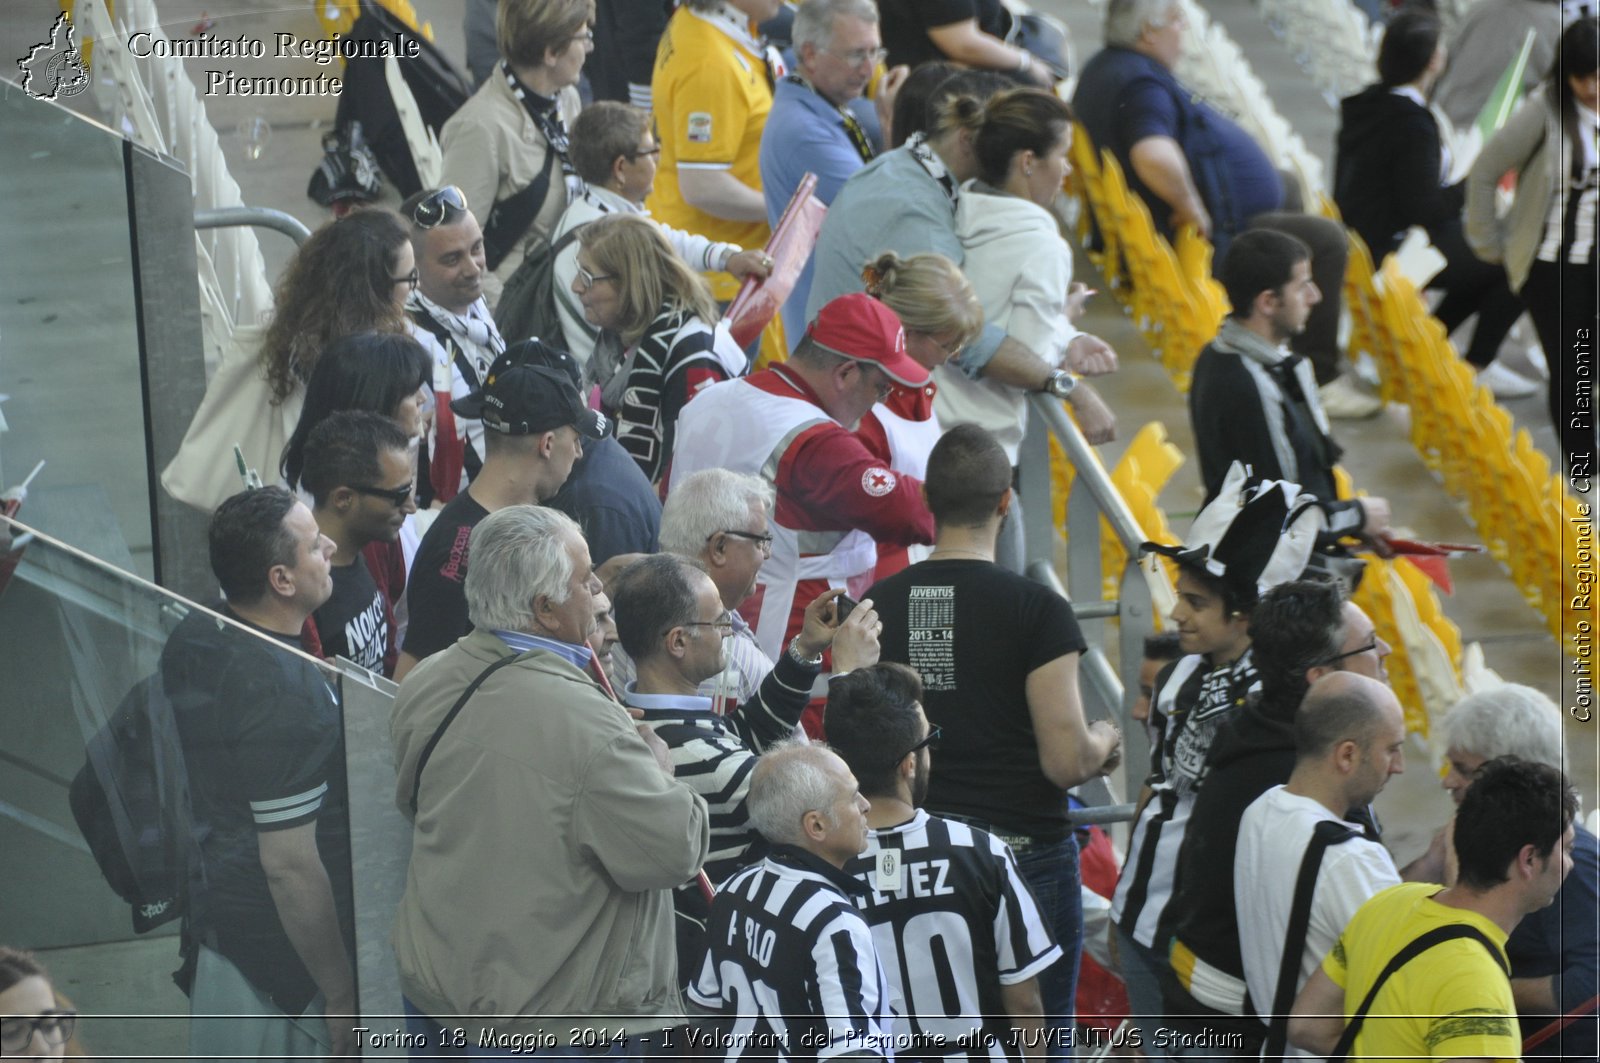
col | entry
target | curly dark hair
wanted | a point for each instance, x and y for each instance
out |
(341, 281)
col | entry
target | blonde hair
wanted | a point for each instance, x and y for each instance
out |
(929, 294)
(524, 30)
(649, 274)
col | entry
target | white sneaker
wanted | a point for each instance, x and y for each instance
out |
(1503, 383)
(1344, 400)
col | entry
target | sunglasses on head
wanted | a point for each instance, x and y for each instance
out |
(432, 208)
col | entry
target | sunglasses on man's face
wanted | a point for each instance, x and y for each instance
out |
(432, 209)
(395, 496)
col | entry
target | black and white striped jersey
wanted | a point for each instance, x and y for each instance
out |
(791, 970)
(1195, 699)
(953, 920)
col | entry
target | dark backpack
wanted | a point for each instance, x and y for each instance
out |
(435, 84)
(527, 306)
(131, 803)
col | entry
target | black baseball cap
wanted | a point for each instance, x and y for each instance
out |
(520, 397)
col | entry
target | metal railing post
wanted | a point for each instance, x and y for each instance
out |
(259, 217)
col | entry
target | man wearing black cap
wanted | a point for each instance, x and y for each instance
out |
(535, 425)
(607, 493)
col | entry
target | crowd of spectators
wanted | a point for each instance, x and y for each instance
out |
(630, 577)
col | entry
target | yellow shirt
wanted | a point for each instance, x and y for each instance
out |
(1451, 1001)
(711, 99)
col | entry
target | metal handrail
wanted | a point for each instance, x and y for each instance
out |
(1140, 592)
(260, 217)
(1093, 473)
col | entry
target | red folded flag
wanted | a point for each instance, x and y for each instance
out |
(1432, 559)
(793, 239)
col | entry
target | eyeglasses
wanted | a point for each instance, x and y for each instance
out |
(54, 1026)
(857, 56)
(763, 542)
(633, 155)
(395, 496)
(587, 36)
(949, 349)
(1368, 648)
(587, 280)
(722, 623)
(885, 383)
(411, 278)
(432, 209)
(931, 742)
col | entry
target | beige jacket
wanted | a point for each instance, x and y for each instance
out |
(1530, 143)
(544, 850)
(493, 149)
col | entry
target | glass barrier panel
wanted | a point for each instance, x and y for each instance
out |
(116, 743)
(70, 364)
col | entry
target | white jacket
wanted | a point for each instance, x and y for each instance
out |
(1021, 268)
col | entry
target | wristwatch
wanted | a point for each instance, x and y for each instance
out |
(1059, 383)
(798, 658)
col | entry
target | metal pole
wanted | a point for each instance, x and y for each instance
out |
(261, 217)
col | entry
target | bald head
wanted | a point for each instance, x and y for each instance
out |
(1350, 730)
(802, 794)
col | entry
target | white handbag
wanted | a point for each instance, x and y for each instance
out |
(237, 410)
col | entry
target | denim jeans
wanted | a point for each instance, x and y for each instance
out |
(441, 1042)
(1141, 974)
(1051, 871)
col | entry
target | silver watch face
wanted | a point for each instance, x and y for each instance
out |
(1062, 385)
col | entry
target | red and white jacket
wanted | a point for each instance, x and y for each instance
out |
(834, 495)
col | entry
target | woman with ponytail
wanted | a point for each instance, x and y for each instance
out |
(1020, 266)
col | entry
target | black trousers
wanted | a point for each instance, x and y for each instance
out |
(1472, 286)
(1562, 300)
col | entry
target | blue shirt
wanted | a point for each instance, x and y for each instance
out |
(804, 133)
(1124, 97)
(612, 501)
(679, 702)
(578, 656)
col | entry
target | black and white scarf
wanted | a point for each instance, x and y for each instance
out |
(545, 114)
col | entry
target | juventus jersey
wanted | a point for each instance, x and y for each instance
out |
(953, 921)
(1195, 698)
(791, 967)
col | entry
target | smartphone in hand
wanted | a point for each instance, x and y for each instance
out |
(842, 607)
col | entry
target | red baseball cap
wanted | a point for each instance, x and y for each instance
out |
(860, 328)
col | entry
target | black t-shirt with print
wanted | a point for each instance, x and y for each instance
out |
(353, 623)
(436, 598)
(263, 742)
(973, 631)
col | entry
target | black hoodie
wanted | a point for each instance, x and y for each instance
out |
(1253, 752)
(1386, 171)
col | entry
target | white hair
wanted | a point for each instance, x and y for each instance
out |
(710, 501)
(1126, 19)
(813, 21)
(515, 555)
(789, 780)
(1505, 720)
